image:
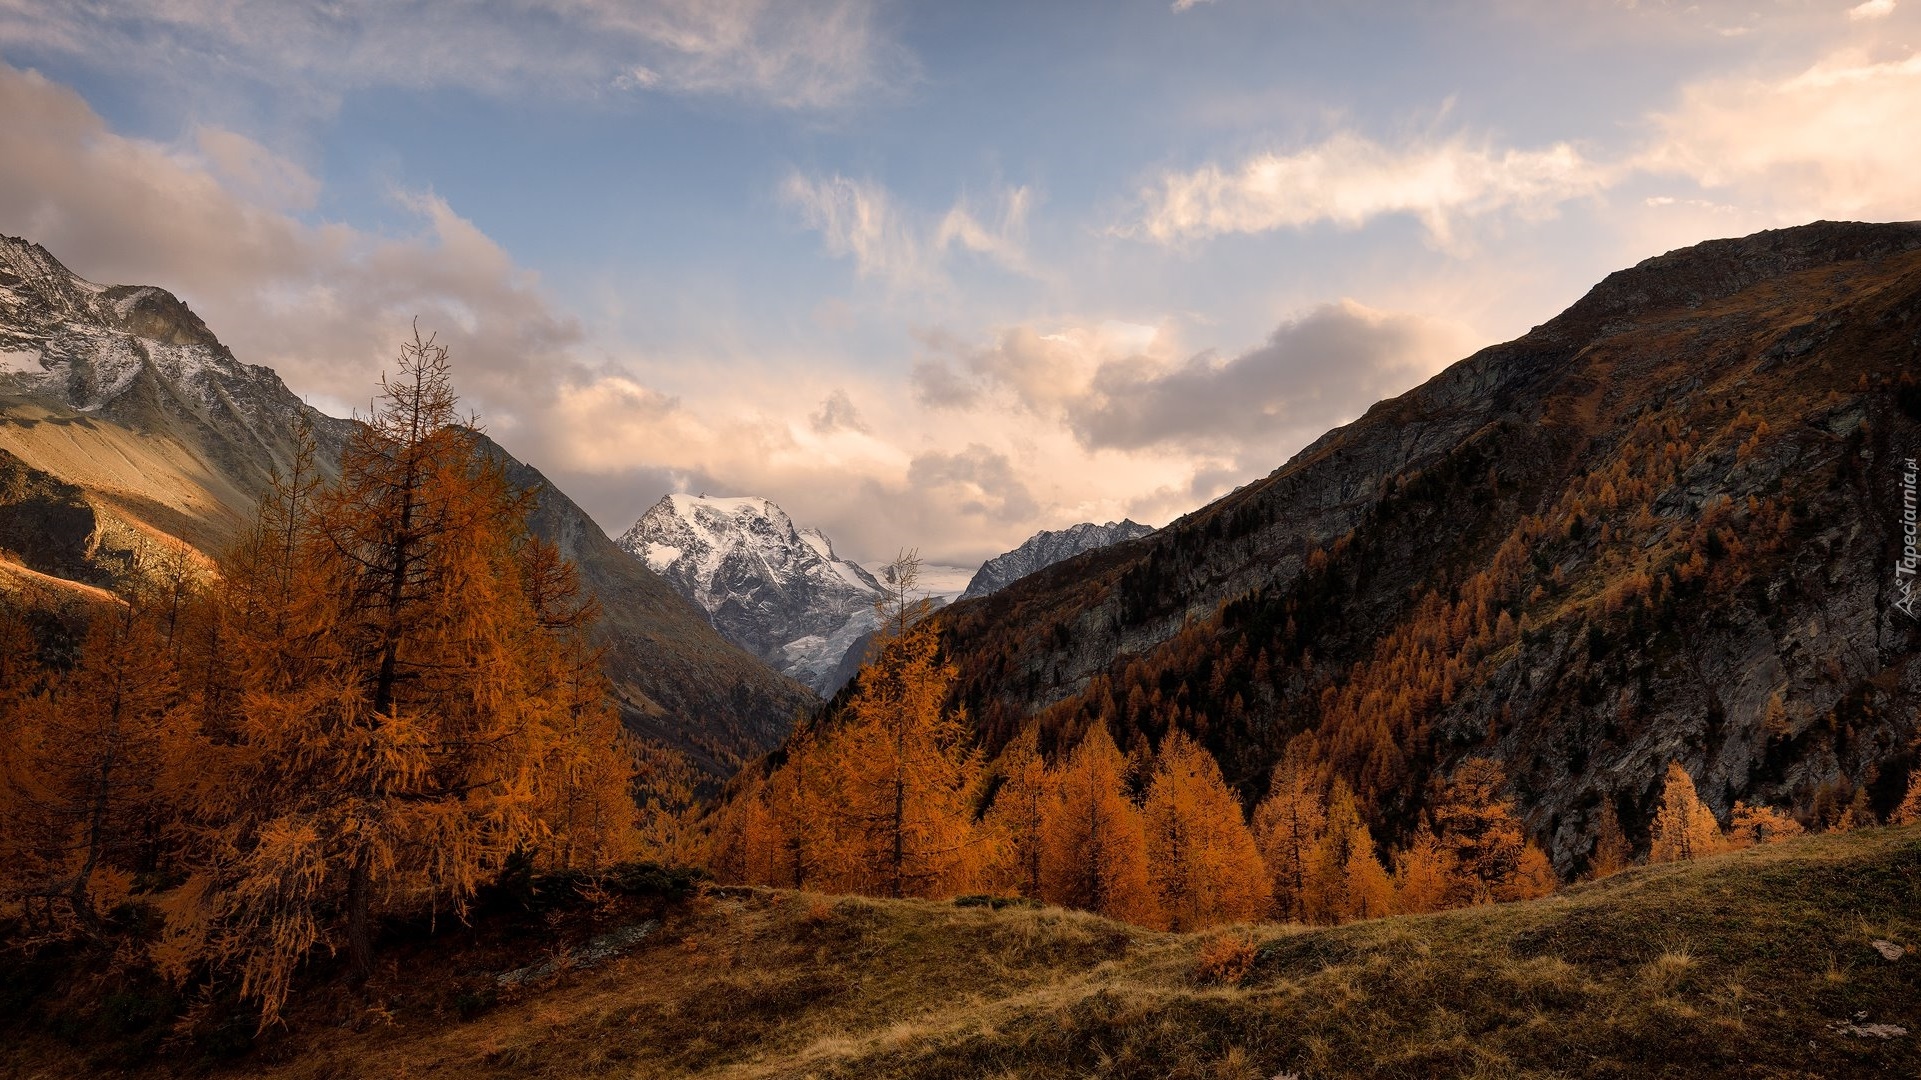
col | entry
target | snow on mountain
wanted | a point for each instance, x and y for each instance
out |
(1046, 548)
(138, 355)
(777, 590)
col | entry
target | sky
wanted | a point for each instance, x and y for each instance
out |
(928, 275)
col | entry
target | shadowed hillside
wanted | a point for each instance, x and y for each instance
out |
(1759, 963)
(1660, 527)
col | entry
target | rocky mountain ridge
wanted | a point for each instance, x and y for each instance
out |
(1047, 547)
(125, 423)
(1660, 527)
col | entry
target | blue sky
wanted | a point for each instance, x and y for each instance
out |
(933, 275)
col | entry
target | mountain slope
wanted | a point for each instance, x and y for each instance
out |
(125, 425)
(1044, 549)
(1662, 526)
(770, 587)
(1762, 963)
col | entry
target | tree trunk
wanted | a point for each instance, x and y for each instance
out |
(360, 938)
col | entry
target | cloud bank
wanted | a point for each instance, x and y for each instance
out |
(790, 54)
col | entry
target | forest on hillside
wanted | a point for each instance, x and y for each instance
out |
(383, 704)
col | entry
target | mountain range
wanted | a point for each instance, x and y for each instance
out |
(126, 427)
(1044, 549)
(1664, 526)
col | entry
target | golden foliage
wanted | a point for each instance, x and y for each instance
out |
(1202, 861)
(1094, 848)
(1684, 827)
(1288, 825)
(1752, 825)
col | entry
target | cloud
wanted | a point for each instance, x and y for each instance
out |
(1349, 180)
(980, 481)
(323, 304)
(860, 219)
(1822, 142)
(1183, 5)
(1321, 369)
(837, 413)
(1872, 9)
(1131, 388)
(256, 173)
(794, 54)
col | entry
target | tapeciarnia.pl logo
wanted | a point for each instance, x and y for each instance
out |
(1904, 569)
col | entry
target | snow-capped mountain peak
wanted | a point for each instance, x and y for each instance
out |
(1046, 548)
(776, 589)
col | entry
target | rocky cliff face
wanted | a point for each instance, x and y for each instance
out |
(1662, 526)
(1047, 547)
(774, 589)
(124, 423)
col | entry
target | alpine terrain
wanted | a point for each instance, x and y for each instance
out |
(1047, 547)
(128, 429)
(1664, 528)
(776, 590)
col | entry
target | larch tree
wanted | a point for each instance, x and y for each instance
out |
(1094, 849)
(586, 796)
(1909, 812)
(1202, 862)
(410, 706)
(905, 769)
(789, 827)
(1424, 874)
(1013, 822)
(1611, 851)
(1684, 827)
(1288, 825)
(1750, 825)
(1478, 823)
(82, 784)
(1345, 877)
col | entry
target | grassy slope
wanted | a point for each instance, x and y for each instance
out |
(1732, 966)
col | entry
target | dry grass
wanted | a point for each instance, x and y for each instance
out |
(1733, 966)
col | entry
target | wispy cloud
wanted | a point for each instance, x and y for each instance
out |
(1349, 180)
(794, 54)
(1822, 142)
(1872, 9)
(862, 220)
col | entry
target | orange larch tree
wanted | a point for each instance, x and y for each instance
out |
(905, 771)
(1013, 822)
(1684, 827)
(409, 706)
(82, 784)
(1345, 877)
(1093, 846)
(1491, 849)
(1288, 825)
(1750, 825)
(1611, 851)
(1202, 862)
(1424, 874)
